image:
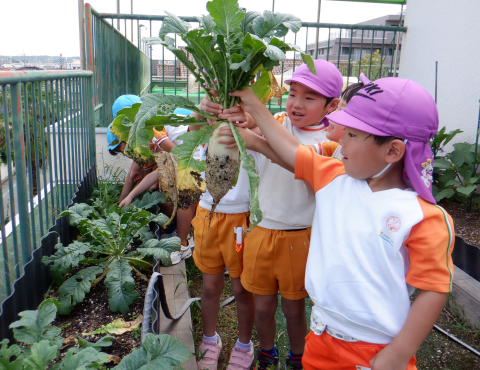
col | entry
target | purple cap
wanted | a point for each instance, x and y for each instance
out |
(401, 108)
(327, 82)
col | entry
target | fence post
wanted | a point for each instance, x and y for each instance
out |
(21, 171)
(91, 122)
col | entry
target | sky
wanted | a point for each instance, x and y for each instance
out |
(50, 27)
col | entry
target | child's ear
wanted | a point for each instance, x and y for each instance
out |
(396, 150)
(333, 105)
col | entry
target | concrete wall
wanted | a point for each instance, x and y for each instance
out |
(105, 158)
(446, 31)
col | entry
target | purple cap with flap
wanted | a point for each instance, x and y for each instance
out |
(401, 108)
(327, 82)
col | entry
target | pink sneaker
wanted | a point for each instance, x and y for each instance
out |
(210, 359)
(240, 359)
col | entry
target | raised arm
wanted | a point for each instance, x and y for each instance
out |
(282, 142)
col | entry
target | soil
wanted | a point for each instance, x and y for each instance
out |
(94, 312)
(467, 224)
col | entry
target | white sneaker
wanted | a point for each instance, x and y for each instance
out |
(176, 257)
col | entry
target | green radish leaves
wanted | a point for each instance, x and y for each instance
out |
(135, 125)
(190, 184)
(34, 326)
(229, 48)
(157, 352)
(248, 163)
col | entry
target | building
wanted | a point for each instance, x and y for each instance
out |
(441, 31)
(75, 64)
(355, 44)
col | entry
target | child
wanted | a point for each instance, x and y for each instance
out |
(334, 131)
(150, 181)
(382, 236)
(276, 250)
(136, 173)
(218, 251)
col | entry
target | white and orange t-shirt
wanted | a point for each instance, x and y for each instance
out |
(369, 250)
(287, 204)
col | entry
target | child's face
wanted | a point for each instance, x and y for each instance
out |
(306, 107)
(362, 157)
(336, 131)
(121, 147)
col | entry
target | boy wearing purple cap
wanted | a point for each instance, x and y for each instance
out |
(385, 235)
(275, 252)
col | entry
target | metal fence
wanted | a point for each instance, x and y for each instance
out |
(47, 146)
(373, 50)
(118, 65)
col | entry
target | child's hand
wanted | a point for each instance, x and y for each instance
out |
(389, 359)
(126, 202)
(248, 99)
(210, 106)
(229, 140)
(234, 114)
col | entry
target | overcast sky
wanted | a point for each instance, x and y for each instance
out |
(50, 27)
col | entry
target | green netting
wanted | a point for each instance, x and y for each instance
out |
(281, 339)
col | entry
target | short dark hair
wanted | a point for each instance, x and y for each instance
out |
(351, 90)
(380, 140)
(328, 100)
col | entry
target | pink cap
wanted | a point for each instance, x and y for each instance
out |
(327, 82)
(401, 108)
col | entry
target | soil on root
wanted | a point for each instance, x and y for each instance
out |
(94, 312)
(467, 224)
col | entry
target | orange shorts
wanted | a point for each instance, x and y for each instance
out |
(219, 251)
(275, 261)
(324, 352)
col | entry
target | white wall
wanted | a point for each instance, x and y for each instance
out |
(447, 31)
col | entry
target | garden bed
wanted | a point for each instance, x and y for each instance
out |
(94, 312)
(467, 224)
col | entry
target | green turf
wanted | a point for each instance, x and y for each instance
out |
(281, 339)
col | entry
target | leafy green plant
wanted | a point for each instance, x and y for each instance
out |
(43, 343)
(157, 352)
(229, 48)
(109, 241)
(454, 172)
(135, 124)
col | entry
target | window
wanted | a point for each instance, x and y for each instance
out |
(345, 50)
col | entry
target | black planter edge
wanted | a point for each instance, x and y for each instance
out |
(29, 290)
(467, 257)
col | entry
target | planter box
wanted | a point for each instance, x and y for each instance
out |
(29, 290)
(466, 284)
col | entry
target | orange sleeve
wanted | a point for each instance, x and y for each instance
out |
(430, 245)
(317, 170)
(328, 148)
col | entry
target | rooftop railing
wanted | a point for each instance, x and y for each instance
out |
(47, 147)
